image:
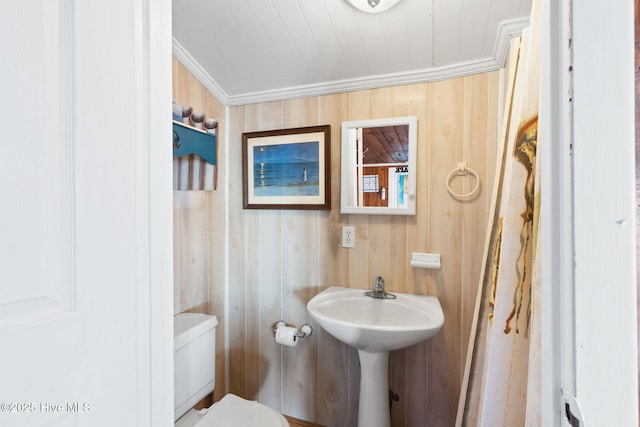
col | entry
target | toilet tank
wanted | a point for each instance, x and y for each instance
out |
(194, 341)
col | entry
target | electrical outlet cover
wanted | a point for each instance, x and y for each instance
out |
(348, 236)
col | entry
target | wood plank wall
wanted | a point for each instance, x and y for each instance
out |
(198, 228)
(637, 105)
(279, 259)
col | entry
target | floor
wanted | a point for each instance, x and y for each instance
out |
(293, 422)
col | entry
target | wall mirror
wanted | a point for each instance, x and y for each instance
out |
(378, 166)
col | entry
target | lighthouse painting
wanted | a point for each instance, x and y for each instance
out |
(287, 169)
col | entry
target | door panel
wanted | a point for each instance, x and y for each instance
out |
(37, 153)
(85, 337)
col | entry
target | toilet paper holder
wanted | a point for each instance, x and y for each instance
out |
(301, 332)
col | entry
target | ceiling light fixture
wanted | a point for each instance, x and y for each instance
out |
(372, 6)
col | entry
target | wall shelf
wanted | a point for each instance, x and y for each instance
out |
(189, 140)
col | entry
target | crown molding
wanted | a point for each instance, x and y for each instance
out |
(369, 82)
(198, 72)
(506, 30)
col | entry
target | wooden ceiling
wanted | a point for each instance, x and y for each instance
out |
(248, 51)
(387, 144)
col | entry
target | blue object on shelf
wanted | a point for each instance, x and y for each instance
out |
(189, 140)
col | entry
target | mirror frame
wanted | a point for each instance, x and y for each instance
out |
(347, 160)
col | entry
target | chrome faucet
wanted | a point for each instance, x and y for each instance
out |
(378, 290)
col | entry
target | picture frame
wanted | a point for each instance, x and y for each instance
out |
(370, 183)
(287, 168)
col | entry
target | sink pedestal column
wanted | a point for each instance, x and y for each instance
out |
(373, 409)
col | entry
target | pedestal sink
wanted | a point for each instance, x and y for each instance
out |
(375, 327)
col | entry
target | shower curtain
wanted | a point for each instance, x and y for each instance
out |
(501, 386)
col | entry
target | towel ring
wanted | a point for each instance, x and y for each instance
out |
(462, 170)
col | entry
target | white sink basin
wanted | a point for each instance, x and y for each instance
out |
(373, 324)
(375, 327)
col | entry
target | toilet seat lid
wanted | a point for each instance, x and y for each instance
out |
(233, 411)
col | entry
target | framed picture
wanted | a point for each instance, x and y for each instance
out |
(370, 183)
(287, 168)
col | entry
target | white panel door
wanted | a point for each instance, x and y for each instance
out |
(606, 363)
(589, 299)
(85, 214)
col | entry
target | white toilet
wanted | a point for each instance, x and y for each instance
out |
(194, 378)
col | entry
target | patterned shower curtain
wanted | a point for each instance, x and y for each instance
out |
(502, 379)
